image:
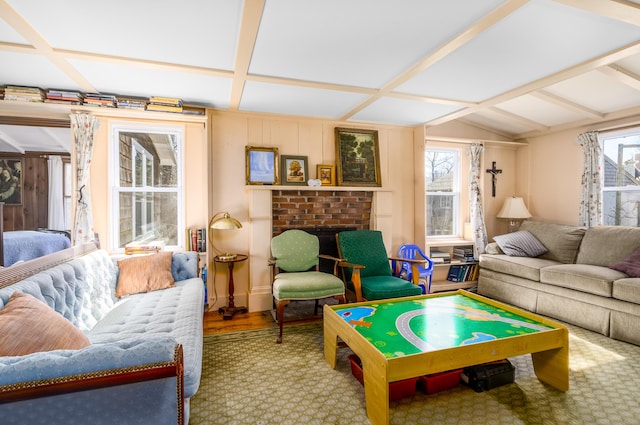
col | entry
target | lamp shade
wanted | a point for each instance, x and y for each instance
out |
(223, 221)
(514, 208)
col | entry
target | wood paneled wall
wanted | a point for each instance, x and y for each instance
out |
(33, 211)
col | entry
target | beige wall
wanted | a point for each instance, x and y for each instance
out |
(402, 163)
(314, 138)
(552, 172)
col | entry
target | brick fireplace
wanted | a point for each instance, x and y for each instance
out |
(273, 209)
(302, 209)
(322, 213)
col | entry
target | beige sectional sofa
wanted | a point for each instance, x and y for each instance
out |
(572, 281)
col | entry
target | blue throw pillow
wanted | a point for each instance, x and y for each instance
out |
(520, 244)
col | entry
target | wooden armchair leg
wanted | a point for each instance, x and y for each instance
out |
(280, 315)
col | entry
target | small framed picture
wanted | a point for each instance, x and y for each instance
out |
(357, 157)
(294, 169)
(261, 165)
(11, 181)
(326, 174)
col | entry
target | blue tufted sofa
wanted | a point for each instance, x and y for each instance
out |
(145, 358)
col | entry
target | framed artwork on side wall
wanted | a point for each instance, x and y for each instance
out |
(294, 169)
(261, 165)
(11, 181)
(326, 174)
(357, 157)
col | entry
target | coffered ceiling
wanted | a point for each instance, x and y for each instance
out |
(517, 67)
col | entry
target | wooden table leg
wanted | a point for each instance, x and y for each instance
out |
(330, 339)
(552, 366)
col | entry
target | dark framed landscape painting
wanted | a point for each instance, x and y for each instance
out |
(357, 157)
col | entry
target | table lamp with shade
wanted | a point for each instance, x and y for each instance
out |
(222, 221)
(515, 211)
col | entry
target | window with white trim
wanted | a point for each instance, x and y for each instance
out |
(621, 178)
(442, 183)
(146, 182)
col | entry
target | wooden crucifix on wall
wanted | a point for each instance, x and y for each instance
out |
(494, 171)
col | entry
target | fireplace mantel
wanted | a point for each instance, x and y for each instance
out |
(318, 188)
(261, 228)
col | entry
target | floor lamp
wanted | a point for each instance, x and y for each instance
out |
(515, 211)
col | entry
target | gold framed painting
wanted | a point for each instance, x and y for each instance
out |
(357, 157)
(326, 174)
(261, 165)
(294, 170)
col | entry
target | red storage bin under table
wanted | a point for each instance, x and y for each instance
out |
(397, 390)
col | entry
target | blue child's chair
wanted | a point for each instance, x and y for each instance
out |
(413, 252)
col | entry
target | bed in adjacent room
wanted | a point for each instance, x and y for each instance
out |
(24, 245)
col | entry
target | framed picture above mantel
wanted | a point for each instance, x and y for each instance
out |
(357, 157)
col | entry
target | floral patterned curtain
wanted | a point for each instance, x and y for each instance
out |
(591, 197)
(84, 127)
(480, 240)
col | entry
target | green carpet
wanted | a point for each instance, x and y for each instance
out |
(249, 379)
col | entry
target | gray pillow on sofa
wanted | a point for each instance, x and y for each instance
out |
(520, 244)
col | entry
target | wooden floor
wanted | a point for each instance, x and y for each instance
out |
(215, 324)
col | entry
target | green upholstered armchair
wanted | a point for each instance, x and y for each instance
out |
(296, 276)
(366, 270)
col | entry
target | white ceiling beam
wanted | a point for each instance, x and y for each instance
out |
(622, 75)
(141, 63)
(620, 10)
(22, 27)
(566, 104)
(251, 15)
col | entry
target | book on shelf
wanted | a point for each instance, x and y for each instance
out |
(440, 257)
(24, 94)
(197, 238)
(162, 100)
(462, 272)
(138, 247)
(127, 102)
(163, 108)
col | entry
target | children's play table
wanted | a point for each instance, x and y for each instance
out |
(404, 338)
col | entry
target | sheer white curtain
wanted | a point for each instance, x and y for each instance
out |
(56, 203)
(591, 194)
(84, 128)
(480, 240)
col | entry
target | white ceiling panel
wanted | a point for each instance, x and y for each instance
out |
(540, 111)
(598, 92)
(9, 35)
(363, 43)
(292, 100)
(520, 67)
(26, 69)
(491, 119)
(145, 82)
(190, 32)
(539, 39)
(402, 111)
(631, 63)
(20, 139)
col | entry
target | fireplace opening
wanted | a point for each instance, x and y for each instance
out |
(328, 245)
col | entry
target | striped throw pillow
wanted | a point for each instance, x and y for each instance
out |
(520, 244)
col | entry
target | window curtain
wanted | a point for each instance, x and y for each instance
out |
(56, 203)
(590, 213)
(479, 230)
(84, 127)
